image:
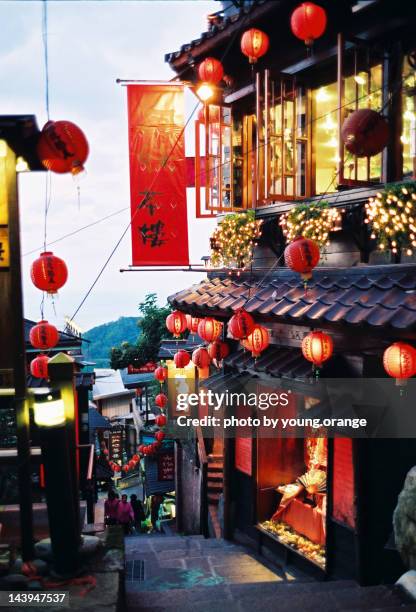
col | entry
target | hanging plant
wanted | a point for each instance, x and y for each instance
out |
(311, 220)
(391, 215)
(233, 240)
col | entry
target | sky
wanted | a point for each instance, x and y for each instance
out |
(91, 44)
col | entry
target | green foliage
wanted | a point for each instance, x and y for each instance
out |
(233, 240)
(391, 215)
(104, 337)
(152, 326)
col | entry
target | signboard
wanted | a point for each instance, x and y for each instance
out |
(166, 467)
(4, 248)
(147, 367)
(243, 455)
(117, 444)
(343, 506)
(159, 222)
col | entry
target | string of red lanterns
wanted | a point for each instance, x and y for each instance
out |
(192, 323)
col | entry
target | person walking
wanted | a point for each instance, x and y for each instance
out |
(125, 514)
(155, 504)
(111, 509)
(139, 514)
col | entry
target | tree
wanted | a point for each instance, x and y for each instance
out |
(153, 329)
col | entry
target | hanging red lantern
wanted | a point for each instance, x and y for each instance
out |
(399, 361)
(257, 341)
(192, 323)
(241, 324)
(160, 435)
(365, 132)
(302, 255)
(125, 468)
(39, 366)
(254, 44)
(131, 464)
(218, 350)
(161, 374)
(210, 71)
(117, 468)
(155, 446)
(49, 273)
(181, 358)
(140, 448)
(62, 147)
(161, 400)
(136, 458)
(308, 22)
(209, 329)
(43, 335)
(161, 420)
(176, 323)
(201, 358)
(317, 347)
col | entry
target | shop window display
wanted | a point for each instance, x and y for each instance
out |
(297, 511)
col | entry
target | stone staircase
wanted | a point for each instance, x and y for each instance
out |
(215, 488)
(191, 573)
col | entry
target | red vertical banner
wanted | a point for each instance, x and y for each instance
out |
(159, 223)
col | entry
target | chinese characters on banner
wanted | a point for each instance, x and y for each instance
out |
(157, 175)
(166, 467)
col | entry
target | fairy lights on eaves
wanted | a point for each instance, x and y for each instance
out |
(311, 220)
(391, 215)
(233, 240)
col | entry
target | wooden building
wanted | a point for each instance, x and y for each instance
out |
(275, 136)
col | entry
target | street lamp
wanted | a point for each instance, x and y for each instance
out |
(205, 92)
(49, 408)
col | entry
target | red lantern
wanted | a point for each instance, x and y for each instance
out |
(125, 468)
(176, 323)
(62, 147)
(181, 358)
(131, 464)
(302, 255)
(308, 22)
(201, 358)
(317, 347)
(192, 323)
(48, 272)
(365, 132)
(254, 44)
(136, 458)
(43, 336)
(159, 435)
(218, 350)
(39, 366)
(257, 341)
(155, 446)
(210, 71)
(117, 468)
(209, 329)
(161, 420)
(161, 400)
(146, 449)
(161, 374)
(399, 361)
(140, 448)
(241, 324)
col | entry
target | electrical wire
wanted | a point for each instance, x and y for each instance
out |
(114, 249)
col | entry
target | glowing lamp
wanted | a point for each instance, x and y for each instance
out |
(201, 358)
(241, 324)
(210, 70)
(317, 347)
(205, 92)
(399, 361)
(181, 358)
(254, 44)
(302, 255)
(49, 408)
(257, 341)
(308, 22)
(176, 323)
(209, 329)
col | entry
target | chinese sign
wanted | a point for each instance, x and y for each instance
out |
(166, 467)
(159, 223)
(150, 366)
(117, 443)
(4, 248)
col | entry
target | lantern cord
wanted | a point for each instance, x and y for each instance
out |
(80, 229)
(45, 52)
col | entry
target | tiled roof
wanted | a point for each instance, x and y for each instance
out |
(373, 296)
(169, 347)
(277, 362)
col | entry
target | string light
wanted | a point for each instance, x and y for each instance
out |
(312, 220)
(233, 240)
(391, 215)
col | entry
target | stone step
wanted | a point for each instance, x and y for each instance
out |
(212, 475)
(213, 498)
(216, 467)
(215, 487)
(215, 458)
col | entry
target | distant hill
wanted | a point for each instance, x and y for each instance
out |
(103, 337)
